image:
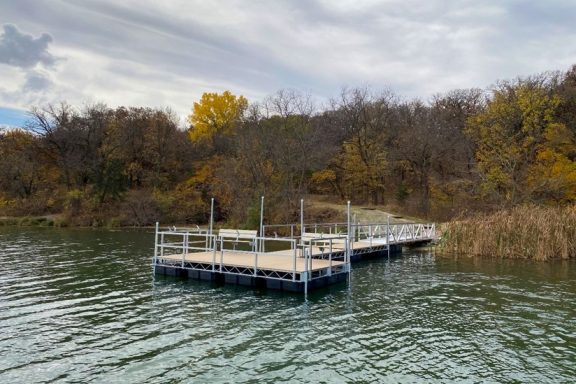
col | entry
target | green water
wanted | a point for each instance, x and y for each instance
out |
(82, 306)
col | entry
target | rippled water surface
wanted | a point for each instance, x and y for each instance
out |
(82, 306)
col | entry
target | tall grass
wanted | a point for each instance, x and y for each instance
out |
(526, 232)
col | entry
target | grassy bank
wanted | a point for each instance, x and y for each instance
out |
(526, 232)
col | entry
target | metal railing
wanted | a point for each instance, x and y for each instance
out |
(294, 230)
(177, 247)
(182, 242)
(395, 233)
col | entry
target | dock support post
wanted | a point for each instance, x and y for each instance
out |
(388, 234)
(155, 257)
(295, 250)
(261, 248)
(330, 260)
(310, 258)
(305, 252)
(349, 237)
(221, 253)
(370, 234)
(184, 247)
(213, 242)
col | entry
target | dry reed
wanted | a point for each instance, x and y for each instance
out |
(526, 232)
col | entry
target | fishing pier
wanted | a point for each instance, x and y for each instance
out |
(290, 257)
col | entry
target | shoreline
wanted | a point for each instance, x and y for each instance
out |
(58, 221)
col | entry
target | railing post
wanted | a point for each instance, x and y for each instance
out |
(221, 252)
(184, 246)
(294, 253)
(255, 264)
(261, 248)
(348, 225)
(370, 234)
(347, 254)
(213, 243)
(310, 256)
(388, 234)
(155, 257)
(304, 251)
(330, 259)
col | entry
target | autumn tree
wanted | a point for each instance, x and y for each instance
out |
(512, 134)
(419, 145)
(552, 176)
(216, 117)
(20, 168)
(293, 140)
(61, 133)
(447, 179)
(276, 148)
(361, 165)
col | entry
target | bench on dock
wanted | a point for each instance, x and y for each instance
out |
(239, 236)
(322, 240)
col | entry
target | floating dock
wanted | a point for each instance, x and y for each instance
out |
(293, 257)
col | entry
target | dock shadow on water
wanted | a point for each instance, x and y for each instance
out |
(82, 305)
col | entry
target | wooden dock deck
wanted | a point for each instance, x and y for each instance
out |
(278, 261)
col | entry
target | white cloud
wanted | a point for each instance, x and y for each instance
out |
(168, 53)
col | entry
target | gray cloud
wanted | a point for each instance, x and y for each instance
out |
(149, 53)
(37, 82)
(23, 50)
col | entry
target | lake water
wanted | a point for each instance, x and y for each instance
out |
(82, 306)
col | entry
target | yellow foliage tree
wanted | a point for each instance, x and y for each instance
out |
(216, 114)
(510, 133)
(552, 177)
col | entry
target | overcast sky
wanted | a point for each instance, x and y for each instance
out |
(167, 53)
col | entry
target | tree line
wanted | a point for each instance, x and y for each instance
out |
(465, 150)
